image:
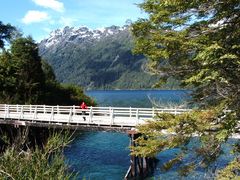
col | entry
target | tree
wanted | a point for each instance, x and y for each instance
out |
(48, 72)
(6, 33)
(30, 81)
(196, 42)
(8, 78)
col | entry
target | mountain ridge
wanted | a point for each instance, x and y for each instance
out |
(96, 59)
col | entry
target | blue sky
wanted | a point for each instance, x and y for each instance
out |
(39, 17)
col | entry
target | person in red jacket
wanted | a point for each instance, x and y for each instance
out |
(83, 106)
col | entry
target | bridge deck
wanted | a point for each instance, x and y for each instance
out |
(73, 116)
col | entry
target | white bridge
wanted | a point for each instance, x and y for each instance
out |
(74, 117)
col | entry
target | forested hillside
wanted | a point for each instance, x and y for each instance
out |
(96, 59)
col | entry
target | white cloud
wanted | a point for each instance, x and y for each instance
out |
(53, 4)
(35, 16)
(67, 21)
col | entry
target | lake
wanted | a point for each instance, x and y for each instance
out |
(139, 98)
(105, 155)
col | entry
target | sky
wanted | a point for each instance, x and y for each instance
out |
(39, 17)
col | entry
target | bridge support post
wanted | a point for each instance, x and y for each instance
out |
(140, 167)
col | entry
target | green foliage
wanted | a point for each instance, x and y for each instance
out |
(8, 78)
(30, 80)
(48, 72)
(169, 131)
(232, 171)
(196, 42)
(6, 33)
(22, 78)
(46, 163)
(65, 94)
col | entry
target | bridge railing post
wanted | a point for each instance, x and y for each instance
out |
(21, 113)
(6, 114)
(8, 111)
(70, 116)
(111, 115)
(74, 110)
(35, 113)
(153, 113)
(5, 110)
(90, 114)
(130, 111)
(137, 116)
(58, 109)
(52, 114)
(44, 109)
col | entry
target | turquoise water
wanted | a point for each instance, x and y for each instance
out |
(99, 155)
(105, 155)
(139, 98)
(197, 174)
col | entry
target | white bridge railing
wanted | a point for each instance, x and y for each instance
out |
(107, 116)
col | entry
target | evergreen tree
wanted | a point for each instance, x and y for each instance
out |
(6, 33)
(196, 42)
(48, 72)
(8, 79)
(30, 81)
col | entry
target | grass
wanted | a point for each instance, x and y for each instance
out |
(42, 163)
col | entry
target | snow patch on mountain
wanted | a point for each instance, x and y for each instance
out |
(78, 35)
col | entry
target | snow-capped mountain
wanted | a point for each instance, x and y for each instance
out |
(79, 35)
(95, 59)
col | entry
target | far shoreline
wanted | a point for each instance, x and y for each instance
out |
(138, 90)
